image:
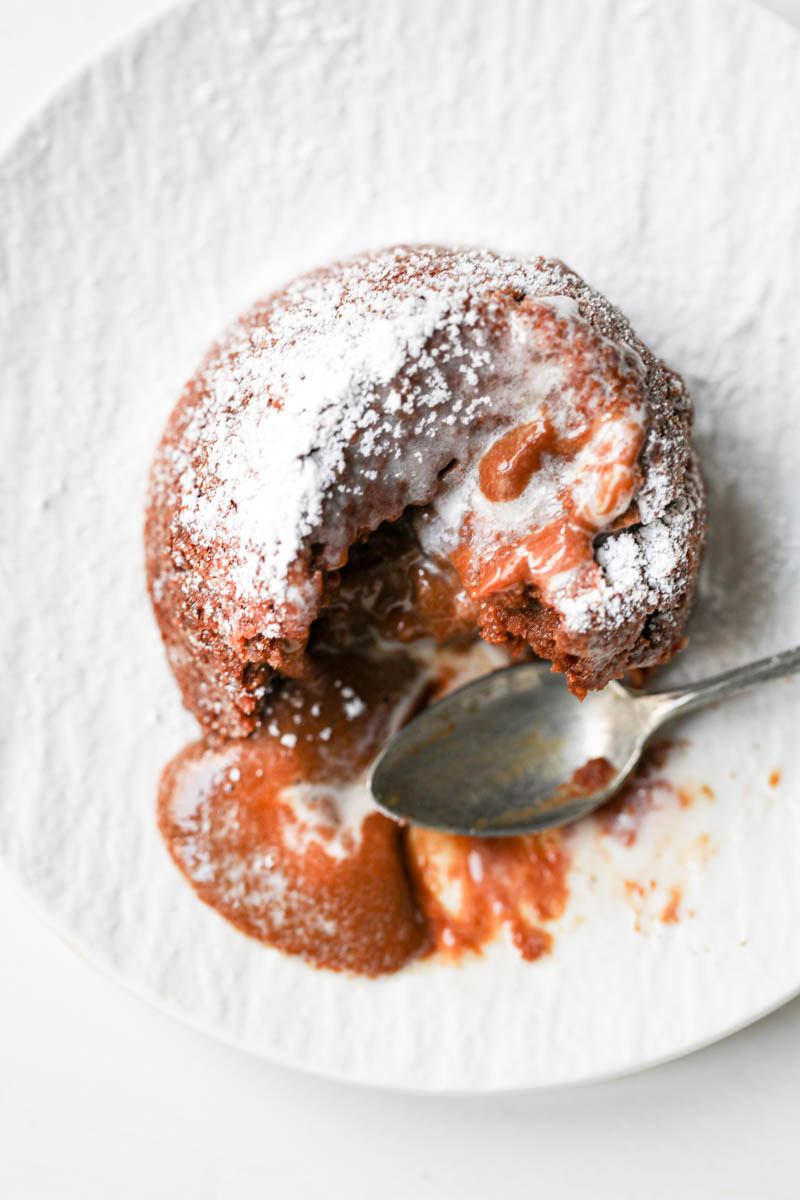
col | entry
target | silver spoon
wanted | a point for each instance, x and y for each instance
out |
(499, 756)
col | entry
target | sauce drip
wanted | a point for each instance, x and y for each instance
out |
(277, 874)
(506, 469)
(470, 888)
(275, 832)
(262, 830)
(593, 431)
(591, 777)
(647, 788)
(260, 827)
(671, 912)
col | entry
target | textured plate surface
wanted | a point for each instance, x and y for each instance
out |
(653, 146)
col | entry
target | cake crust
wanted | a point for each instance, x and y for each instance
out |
(494, 419)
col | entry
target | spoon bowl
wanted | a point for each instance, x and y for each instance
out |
(515, 752)
(497, 756)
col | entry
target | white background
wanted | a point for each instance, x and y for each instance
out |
(101, 1097)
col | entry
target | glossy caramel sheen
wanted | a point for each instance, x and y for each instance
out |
(471, 888)
(271, 873)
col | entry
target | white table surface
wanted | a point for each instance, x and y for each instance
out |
(102, 1097)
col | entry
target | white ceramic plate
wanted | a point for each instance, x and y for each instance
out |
(655, 147)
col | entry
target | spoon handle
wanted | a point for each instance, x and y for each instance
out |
(698, 695)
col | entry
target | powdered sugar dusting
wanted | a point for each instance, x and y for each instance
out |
(643, 566)
(327, 815)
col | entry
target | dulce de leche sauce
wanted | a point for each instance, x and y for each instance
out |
(257, 826)
(276, 833)
(470, 888)
(586, 452)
